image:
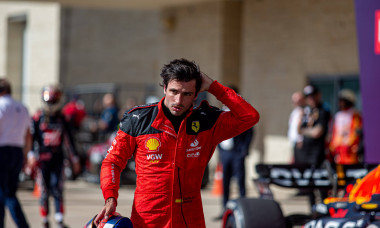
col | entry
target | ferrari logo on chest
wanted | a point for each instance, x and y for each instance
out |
(195, 126)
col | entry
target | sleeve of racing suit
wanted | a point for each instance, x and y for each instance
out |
(240, 118)
(117, 156)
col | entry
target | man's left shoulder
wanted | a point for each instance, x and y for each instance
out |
(203, 118)
(205, 110)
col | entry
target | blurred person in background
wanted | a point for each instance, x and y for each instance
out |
(232, 153)
(295, 139)
(109, 118)
(15, 142)
(51, 133)
(74, 112)
(345, 144)
(313, 128)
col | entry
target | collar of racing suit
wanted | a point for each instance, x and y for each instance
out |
(175, 120)
(163, 123)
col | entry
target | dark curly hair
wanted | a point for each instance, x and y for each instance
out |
(181, 70)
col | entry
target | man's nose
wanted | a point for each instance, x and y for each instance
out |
(178, 99)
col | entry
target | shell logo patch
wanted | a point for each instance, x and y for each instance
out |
(153, 144)
(195, 126)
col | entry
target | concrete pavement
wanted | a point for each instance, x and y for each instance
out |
(84, 200)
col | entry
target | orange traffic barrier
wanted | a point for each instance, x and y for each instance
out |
(36, 190)
(217, 188)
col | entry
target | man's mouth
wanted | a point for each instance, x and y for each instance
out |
(177, 108)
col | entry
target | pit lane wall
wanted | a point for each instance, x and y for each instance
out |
(368, 33)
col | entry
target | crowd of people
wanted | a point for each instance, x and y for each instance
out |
(43, 142)
(316, 135)
(150, 133)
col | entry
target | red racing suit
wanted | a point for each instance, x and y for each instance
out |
(170, 166)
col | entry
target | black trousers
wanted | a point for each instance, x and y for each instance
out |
(11, 161)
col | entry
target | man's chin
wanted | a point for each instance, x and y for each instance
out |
(174, 113)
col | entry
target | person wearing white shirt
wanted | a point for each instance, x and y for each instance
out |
(15, 141)
(294, 137)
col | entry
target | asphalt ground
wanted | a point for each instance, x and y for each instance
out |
(84, 200)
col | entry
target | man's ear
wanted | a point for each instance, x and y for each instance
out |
(164, 89)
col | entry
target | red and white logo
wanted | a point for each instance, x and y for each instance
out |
(377, 32)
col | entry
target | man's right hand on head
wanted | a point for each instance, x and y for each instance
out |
(206, 82)
(108, 209)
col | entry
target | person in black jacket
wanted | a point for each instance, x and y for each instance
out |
(313, 128)
(51, 133)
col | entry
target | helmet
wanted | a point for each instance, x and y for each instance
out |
(310, 90)
(51, 94)
(116, 220)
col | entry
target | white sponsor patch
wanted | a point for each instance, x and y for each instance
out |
(154, 158)
(193, 155)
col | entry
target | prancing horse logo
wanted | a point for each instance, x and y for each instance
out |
(195, 126)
